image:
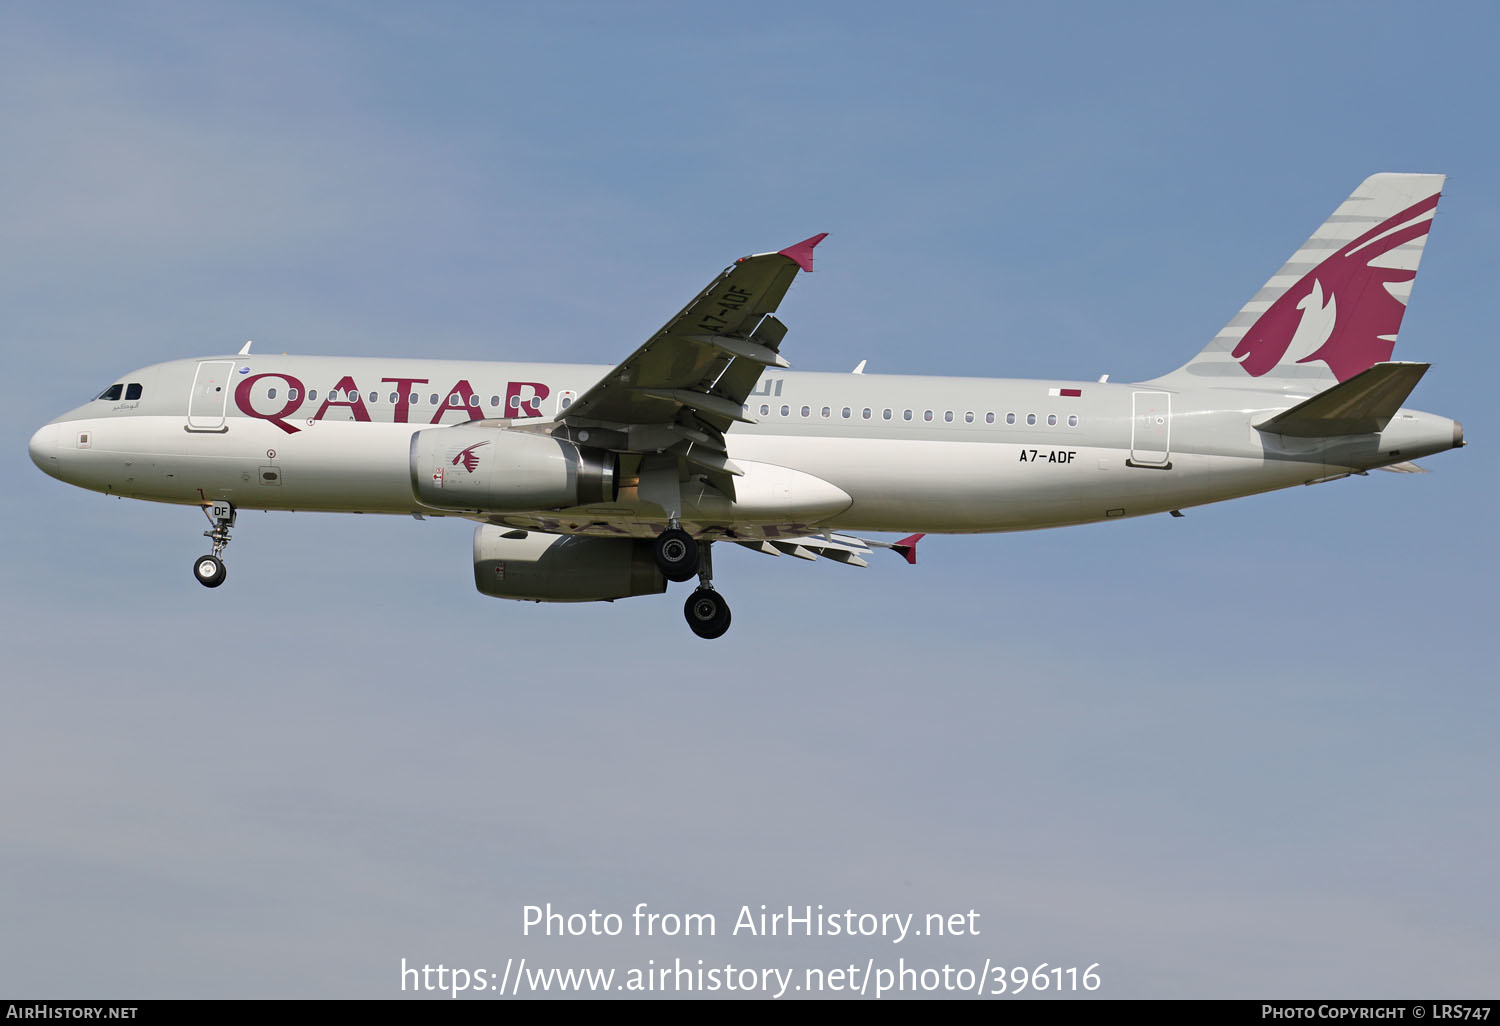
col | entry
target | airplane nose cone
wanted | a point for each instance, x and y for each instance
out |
(1458, 435)
(43, 449)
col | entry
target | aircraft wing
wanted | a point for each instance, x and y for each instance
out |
(687, 384)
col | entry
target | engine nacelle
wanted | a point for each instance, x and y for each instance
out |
(500, 470)
(562, 568)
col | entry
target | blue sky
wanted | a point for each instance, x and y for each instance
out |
(1248, 753)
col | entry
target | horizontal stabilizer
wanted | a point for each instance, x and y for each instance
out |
(1362, 405)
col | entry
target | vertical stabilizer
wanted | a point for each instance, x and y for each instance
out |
(1334, 308)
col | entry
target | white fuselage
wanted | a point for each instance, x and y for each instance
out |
(828, 451)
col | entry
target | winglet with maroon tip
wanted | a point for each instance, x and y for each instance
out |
(906, 548)
(802, 253)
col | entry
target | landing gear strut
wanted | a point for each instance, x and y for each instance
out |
(706, 611)
(209, 570)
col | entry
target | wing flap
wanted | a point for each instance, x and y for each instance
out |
(841, 548)
(702, 402)
(794, 548)
(743, 348)
(710, 459)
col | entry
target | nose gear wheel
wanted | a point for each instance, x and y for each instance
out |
(209, 570)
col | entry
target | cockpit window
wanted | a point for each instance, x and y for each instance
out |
(112, 393)
(133, 390)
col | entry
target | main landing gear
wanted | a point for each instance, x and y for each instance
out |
(680, 557)
(676, 554)
(209, 570)
(707, 613)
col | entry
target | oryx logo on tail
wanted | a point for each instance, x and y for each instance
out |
(1344, 311)
(468, 458)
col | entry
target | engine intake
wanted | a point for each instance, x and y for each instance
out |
(500, 470)
(562, 568)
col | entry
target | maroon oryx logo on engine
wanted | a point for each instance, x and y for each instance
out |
(468, 458)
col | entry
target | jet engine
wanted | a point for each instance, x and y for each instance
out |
(501, 470)
(538, 567)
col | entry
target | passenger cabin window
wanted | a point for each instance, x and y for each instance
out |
(765, 410)
(989, 418)
(927, 415)
(867, 413)
(133, 391)
(568, 401)
(112, 393)
(906, 415)
(1072, 420)
(969, 417)
(395, 398)
(1052, 420)
(847, 412)
(1030, 418)
(270, 393)
(827, 412)
(886, 415)
(1010, 418)
(806, 410)
(432, 399)
(455, 400)
(374, 398)
(473, 400)
(411, 398)
(291, 395)
(786, 411)
(312, 395)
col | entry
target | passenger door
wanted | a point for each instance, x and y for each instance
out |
(210, 396)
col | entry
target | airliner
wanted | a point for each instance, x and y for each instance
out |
(594, 483)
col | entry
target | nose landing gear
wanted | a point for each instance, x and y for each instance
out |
(209, 570)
